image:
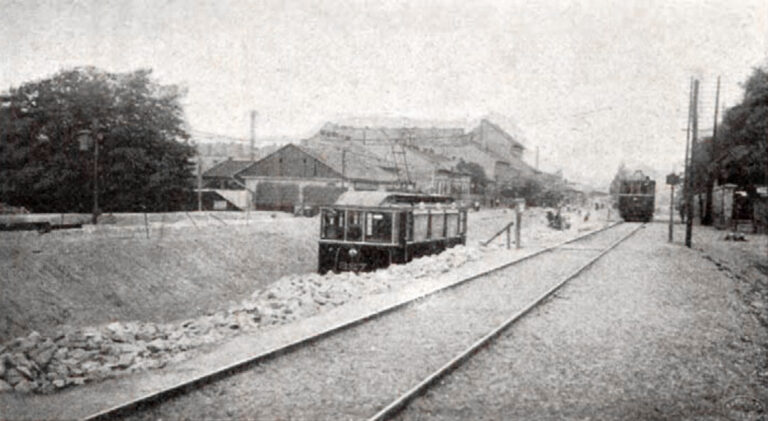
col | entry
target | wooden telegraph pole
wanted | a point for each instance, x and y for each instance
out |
(253, 135)
(199, 182)
(343, 168)
(248, 194)
(671, 213)
(708, 218)
(690, 175)
(687, 148)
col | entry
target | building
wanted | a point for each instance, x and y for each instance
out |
(226, 174)
(487, 145)
(339, 158)
(300, 176)
(451, 183)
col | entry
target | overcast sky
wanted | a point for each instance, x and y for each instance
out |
(592, 83)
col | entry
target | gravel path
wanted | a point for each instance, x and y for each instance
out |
(652, 331)
(354, 373)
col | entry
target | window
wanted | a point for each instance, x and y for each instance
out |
(332, 225)
(451, 224)
(438, 221)
(378, 227)
(355, 227)
(420, 226)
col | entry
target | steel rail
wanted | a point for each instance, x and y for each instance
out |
(405, 399)
(180, 388)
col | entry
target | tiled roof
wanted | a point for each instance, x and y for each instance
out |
(485, 124)
(227, 169)
(359, 164)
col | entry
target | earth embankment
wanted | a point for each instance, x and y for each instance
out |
(176, 266)
(126, 272)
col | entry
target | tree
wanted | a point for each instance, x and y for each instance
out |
(143, 162)
(704, 170)
(536, 191)
(476, 174)
(740, 154)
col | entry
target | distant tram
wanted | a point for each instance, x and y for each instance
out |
(368, 230)
(637, 196)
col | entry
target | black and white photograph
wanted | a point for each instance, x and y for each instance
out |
(384, 210)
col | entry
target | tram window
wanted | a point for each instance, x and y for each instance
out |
(333, 225)
(451, 224)
(354, 228)
(378, 227)
(420, 226)
(624, 188)
(438, 219)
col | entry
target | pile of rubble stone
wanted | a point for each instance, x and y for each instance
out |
(74, 356)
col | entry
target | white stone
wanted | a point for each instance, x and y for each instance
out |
(4, 386)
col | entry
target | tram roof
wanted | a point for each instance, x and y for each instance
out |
(384, 198)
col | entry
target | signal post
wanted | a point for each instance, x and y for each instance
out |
(672, 180)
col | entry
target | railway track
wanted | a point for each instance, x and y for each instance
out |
(401, 402)
(263, 378)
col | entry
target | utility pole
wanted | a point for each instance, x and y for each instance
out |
(689, 181)
(671, 212)
(199, 182)
(717, 107)
(687, 149)
(710, 180)
(343, 167)
(537, 157)
(253, 134)
(97, 139)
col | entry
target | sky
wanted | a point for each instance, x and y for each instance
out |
(590, 84)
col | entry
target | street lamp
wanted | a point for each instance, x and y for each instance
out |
(85, 138)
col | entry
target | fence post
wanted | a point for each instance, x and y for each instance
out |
(509, 226)
(519, 206)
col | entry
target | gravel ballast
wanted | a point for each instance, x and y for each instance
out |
(352, 374)
(652, 331)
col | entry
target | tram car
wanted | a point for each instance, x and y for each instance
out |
(636, 197)
(367, 230)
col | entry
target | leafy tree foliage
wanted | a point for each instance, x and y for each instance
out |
(138, 123)
(536, 192)
(739, 153)
(476, 173)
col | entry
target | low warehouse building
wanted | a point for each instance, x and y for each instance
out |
(303, 177)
